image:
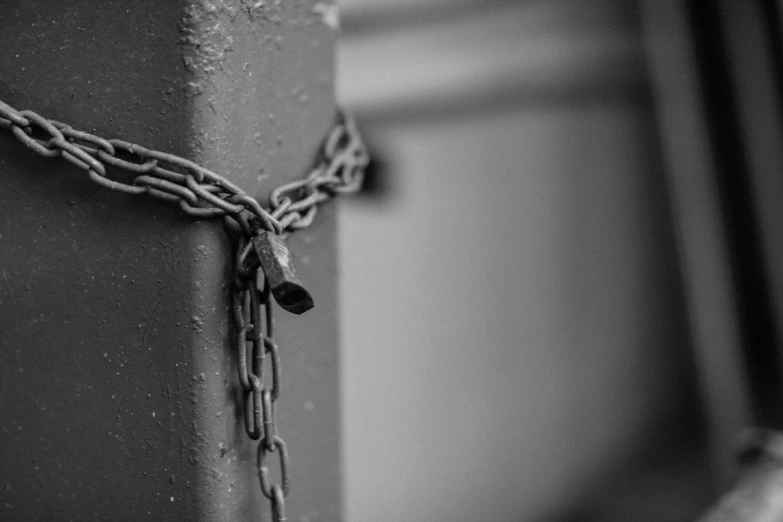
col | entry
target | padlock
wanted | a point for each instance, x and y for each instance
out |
(281, 274)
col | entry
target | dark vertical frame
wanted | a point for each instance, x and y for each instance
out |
(704, 243)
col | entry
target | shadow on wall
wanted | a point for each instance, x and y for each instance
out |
(514, 345)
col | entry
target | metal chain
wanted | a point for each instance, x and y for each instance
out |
(203, 193)
(198, 190)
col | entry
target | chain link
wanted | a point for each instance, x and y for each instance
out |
(199, 191)
(202, 193)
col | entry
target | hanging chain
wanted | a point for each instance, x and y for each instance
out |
(254, 343)
(203, 193)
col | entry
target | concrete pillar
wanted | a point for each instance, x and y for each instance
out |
(118, 387)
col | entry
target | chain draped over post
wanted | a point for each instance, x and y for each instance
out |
(202, 193)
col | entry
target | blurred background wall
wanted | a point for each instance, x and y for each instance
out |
(513, 330)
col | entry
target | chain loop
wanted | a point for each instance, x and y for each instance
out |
(253, 405)
(278, 446)
(34, 144)
(85, 137)
(205, 194)
(12, 115)
(109, 158)
(274, 353)
(268, 418)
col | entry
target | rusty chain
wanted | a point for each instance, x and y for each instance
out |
(202, 193)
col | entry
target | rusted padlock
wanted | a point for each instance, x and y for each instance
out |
(281, 274)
